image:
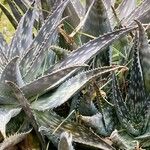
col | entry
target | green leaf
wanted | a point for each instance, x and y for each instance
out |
(17, 14)
(69, 88)
(86, 52)
(23, 35)
(26, 108)
(144, 55)
(96, 24)
(12, 140)
(35, 55)
(9, 16)
(47, 82)
(125, 8)
(80, 134)
(141, 13)
(122, 140)
(6, 113)
(12, 73)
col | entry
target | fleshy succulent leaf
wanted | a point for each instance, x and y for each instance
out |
(47, 34)
(6, 113)
(98, 21)
(144, 55)
(26, 107)
(12, 73)
(3, 51)
(65, 141)
(86, 52)
(14, 10)
(12, 140)
(125, 8)
(47, 82)
(23, 36)
(80, 134)
(122, 140)
(141, 13)
(9, 16)
(72, 86)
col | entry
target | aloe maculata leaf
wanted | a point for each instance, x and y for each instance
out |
(122, 140)
(102, 124)
(23, 36)
(47, 82)
(108, 4)
(26, 108)
(60, 52)
(14, 10)
(80, 134)
(12, 73)
(12, 140)
(6, 113)
(7, 101)
(97, 23)
(22, 5)
(133, 114)
(75, 11)
(3, 50)
(65, 141)
(9, 16)
(125, 8)
(72, 86)
(144, 54)
(137, 99)
(120, 106)
(86, 52)
(84, 106)
(141, 13)
(48, 31)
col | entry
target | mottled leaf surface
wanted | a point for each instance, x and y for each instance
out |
(80, 134)
(144, 54)
(12, 140)
(69, 88)
(86, 52)
(96, 24)
(23, 35)
(6, 113)
(47, 34)
(12, 73)
(47, 82)
(3, 50)
(141, 13)
(26, 108)
(125, 8)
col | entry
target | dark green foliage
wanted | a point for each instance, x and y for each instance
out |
(39, 79)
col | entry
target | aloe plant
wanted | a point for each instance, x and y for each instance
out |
(43, 85)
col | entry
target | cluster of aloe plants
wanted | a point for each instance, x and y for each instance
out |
(75, 75)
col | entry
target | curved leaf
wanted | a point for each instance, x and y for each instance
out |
(47, 82)
(26, 107)
(12, 140)
(12, 73)
(6, 113)
(50, 121)
(86, 52)
(23, 35)
(47, 34)
(139, 13)
(125, 8)
(14, 10)
(69, 88)
(9, 16)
